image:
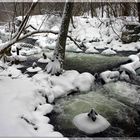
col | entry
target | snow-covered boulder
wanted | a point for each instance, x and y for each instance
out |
(124, 76)
(92, 50)
(110, 76)
(130, 67)
(78, 50)
(42, 60)
(134, 57)
(109, 52)
(85, 124)
(84, 82)
(34, 68)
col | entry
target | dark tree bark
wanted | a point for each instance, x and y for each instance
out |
(59, 52)
(138, 7)
(55, 67)
(126, 9)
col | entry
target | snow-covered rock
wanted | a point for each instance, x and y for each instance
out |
(124, 92)
(134, 57)
(33, 70)
(84, 82)
(109, 52)
(85, 124)
(124, 76)
(42, 60)
(110, 76)
(92, 50)
(62, 85)
(130, 67)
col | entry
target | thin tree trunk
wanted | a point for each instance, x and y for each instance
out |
(138, 6)
(59, 52)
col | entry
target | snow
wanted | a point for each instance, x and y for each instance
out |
(18, 117)
(23, 100)
(84, 82)
(53, 67)
(52, 36)
(42, 60)
(134, 57)
(32, 70)
(110, 76)
(92, 50)
(124, 76)
(109, 52)
(12, 72)
(45, 109)
(85, 124)
(58, 86)
(88, 30)
(130, 67)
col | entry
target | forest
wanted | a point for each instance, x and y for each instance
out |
(70, 69)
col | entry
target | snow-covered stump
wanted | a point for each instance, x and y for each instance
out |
(44, 59)
(34, 68)
(84, 123)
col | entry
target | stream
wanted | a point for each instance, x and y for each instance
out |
(114, 101)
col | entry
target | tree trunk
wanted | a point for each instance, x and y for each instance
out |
(138, 7)
(59, 52)
(126, 9)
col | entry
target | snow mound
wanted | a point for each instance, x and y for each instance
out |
(110, 76)
(45, 109)
(33, 70)
(42, 60)
(84, 82)
(57, 86)
(125, 77)
(108, 52)
(85, 124)
(130, 67)
(11, 72)
(134, 57)
(92, 50)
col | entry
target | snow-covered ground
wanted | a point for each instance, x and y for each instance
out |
(23, 100)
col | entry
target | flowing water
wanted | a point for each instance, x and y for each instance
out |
(124, 119)
(113, 101)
